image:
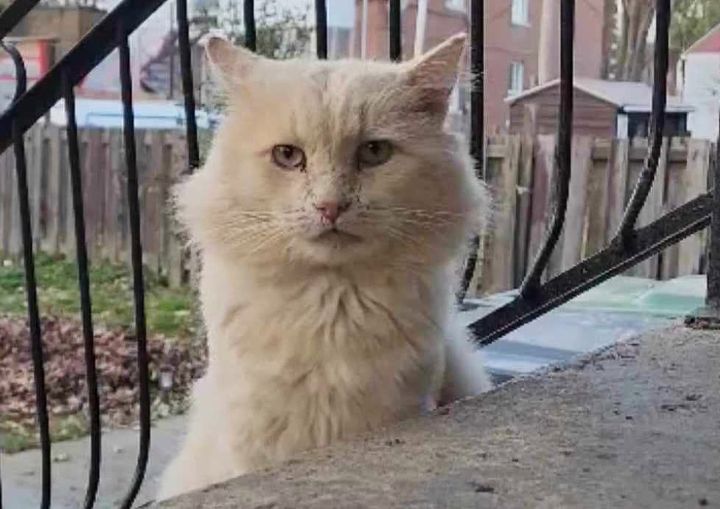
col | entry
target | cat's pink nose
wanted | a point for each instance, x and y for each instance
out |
(331, 210)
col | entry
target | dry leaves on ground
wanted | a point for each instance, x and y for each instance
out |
(173, 366)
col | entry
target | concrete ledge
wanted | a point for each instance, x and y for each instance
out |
(635, 426)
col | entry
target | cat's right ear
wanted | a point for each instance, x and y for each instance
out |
(229, 63)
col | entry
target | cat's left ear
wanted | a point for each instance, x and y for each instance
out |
(435, 73)
(230, 63)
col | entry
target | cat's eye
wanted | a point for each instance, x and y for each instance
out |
(288, 157)
(374, 153)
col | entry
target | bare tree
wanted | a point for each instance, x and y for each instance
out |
(636, 18)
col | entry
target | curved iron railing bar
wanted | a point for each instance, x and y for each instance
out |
(193, 150)
(671, 228)
(137, 268)
(77, 63)
(477, 125)
(563, 153)
(36, 346)
(249, 21)
(321, 29)
(13, 14)
(395, 32)
(657, 124)
(85, 299)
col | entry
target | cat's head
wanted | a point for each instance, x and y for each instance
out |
(334, 162)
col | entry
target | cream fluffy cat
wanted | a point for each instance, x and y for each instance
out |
(330, 217)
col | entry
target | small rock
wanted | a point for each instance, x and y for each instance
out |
(515, 460)
(482, 487)
(703, 501)
(60, 457)
(117, 449)
(693, 397)
(628, 417)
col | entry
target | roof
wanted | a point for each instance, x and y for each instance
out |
(708, 43)
(108, 113)
(629, 96)
(31, 38)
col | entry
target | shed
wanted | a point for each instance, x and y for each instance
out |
(606, 109)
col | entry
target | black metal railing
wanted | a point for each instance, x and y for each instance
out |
(629, 247)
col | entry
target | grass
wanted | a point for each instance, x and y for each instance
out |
(169, 310)
(17, 437)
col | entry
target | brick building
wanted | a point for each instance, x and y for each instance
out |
(512, 39)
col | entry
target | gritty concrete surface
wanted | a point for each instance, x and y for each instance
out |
(21, 472)
(636, 426)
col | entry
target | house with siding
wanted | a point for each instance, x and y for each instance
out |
(699, 84)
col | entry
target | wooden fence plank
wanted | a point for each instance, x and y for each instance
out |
(502, 177)
(524, 207)
(618, 182)
(652, 209)
(177, 257)
(5, 204)
(598, 196)
(694, 182)
(542, 192)
(573, 237)
(50, 243)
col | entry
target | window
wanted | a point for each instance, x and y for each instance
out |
(516, 78)
(455, 5)
(520, 13)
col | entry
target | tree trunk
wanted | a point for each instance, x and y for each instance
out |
(637, 18)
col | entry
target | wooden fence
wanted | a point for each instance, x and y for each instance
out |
(161, 158)
(519, 173)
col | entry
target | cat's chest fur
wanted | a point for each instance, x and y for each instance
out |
(324, 354)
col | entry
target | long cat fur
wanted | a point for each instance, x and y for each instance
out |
(315, 341)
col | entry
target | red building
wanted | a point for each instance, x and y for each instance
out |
(512, 40)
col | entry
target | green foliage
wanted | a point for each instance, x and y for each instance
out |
(281, 31)
(169, 310)
(691, 20)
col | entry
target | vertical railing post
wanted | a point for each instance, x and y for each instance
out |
(137, 264)
(708, 316)
(249, 21)
(188, 87)
(663, 16)
(713, 271)
(321, 31)
(563, 153)
(84, 285)
(477, 125)
(395, 32)
(36, 346)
